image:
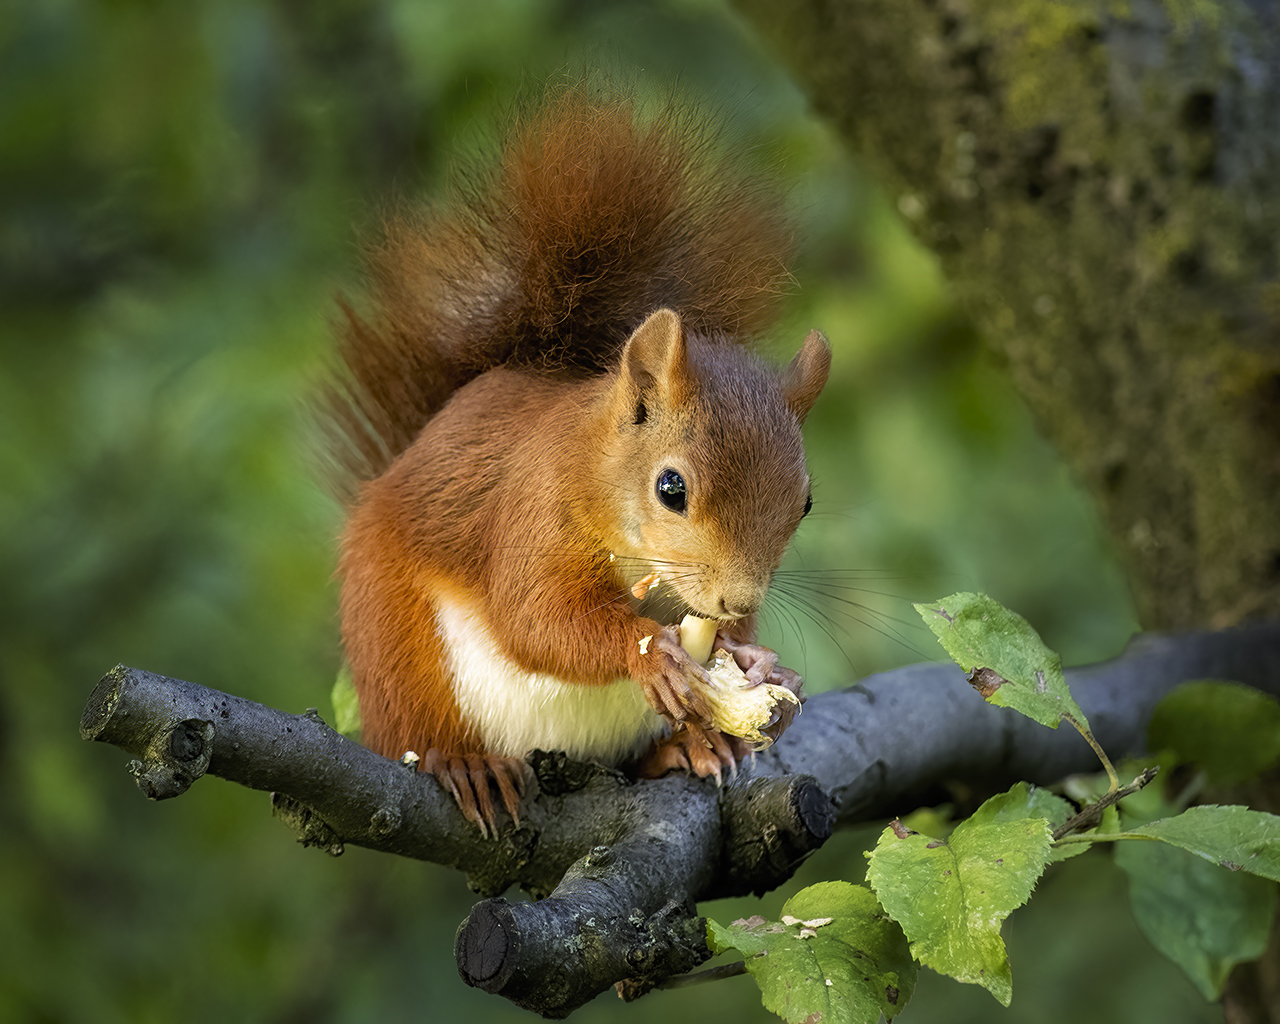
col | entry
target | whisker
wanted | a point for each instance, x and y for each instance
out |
(853, 574)
(816, 616)
(603, 604)
(871, 618)
(816, 600)
(838, 598)
(785, 616)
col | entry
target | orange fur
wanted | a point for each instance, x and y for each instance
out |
(512, 399)
(592, 217)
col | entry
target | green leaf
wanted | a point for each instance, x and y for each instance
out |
(1235, 838)
(935, 822)
(1024, 801)
(950, 896)
(346, 705)
(1005, 659)
(835, 954)
(1027, 801)
(1202, 917)
(1231, 732)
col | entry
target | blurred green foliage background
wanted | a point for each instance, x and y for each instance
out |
(181, 185)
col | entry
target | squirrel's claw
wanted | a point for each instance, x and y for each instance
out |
(692, 748)
(784, 711)
(668, 690)
(467, 779)
(760, 664)
(510, 775)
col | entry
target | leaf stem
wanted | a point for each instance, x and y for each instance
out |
(698, 977)
(1103, 837)
(1083, 730)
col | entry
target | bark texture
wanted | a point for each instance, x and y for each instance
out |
(621, 865)
(1101, 183)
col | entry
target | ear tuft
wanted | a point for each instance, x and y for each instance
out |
(656, 359)
(804, 377)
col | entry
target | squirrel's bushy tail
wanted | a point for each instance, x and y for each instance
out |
(593, 217)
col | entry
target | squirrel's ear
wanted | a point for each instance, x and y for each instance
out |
(803, 379)
(655, 360)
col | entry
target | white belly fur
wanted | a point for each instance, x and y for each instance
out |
(516, 711)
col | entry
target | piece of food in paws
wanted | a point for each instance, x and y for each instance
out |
(697, 635)
(737, 708)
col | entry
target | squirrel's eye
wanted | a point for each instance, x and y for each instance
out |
(808, 506)
(671, 491)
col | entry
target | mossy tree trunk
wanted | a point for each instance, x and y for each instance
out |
(1101, 182)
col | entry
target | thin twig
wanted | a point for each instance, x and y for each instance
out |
(1090, 814)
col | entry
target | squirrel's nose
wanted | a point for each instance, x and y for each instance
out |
(730, 609)
(738, 594)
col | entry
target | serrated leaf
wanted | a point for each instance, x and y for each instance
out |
(950, 896)
(1004, 657)
(1204, 918)
(842, 958)
(1231, 732)
(936, 822)
(1024, 801)
(1235, 838)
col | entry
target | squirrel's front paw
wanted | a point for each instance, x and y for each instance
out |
(675, 683)
(784, 712)
(760, 665)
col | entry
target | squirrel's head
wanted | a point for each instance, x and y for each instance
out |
(706, 464)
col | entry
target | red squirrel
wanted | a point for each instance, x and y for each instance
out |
(552, 401)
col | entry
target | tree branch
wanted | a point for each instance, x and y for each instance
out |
(622, 864)
(884, 746)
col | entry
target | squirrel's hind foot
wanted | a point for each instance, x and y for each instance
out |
(692, 748)
(468, 778)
